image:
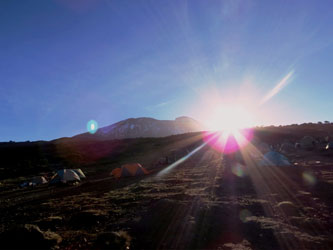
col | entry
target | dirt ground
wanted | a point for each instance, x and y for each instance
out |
(205, 202)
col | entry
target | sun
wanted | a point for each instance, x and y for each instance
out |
(230, 128)
(230, 117)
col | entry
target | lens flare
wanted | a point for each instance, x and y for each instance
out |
(238, 170)
(283, 83)
(309, 178)
(92, 126)
(229, 141)
(244, 214)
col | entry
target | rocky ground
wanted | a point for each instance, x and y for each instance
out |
(205, 202)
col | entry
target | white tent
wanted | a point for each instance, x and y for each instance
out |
(273, 158)
(64, 176)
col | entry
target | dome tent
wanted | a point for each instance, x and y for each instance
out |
(273, 158)
(308, 143)
(133, 169)
(65, 176)
(79, 172)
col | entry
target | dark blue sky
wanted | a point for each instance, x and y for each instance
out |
(65, 62)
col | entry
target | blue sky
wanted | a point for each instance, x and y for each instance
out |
(65, 62)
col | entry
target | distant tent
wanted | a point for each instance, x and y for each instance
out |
(273, 158)
(79, 172)
(308, 143)
(39, 180)
(133, 169)
(64, 176)
(287, 147)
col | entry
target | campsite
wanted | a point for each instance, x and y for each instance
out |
(166, 124)
(209, 201)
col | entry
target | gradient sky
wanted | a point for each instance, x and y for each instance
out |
(65, 62)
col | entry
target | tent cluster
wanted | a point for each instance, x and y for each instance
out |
(269, 155)
(307, 143)
(62, 176)
(127, 170)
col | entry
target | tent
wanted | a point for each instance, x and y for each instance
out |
(273, 158)
(308, 143)
(287, 147)
(64, 176)
(79, 172)
(133, 169)
(38, 180)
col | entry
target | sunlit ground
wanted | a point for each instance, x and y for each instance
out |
(276, 186)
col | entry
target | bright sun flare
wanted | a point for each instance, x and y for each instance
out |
(230, 118)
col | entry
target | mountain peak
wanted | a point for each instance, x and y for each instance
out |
(180, 118)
